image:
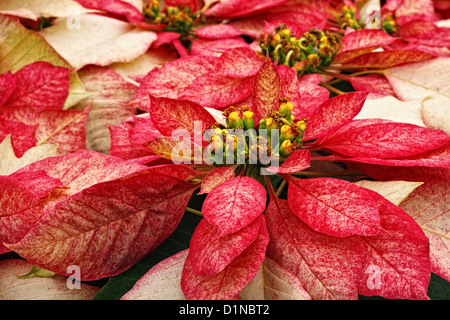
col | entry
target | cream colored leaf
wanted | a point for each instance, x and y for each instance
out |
(274, 283)
(9, 163)
(77, 91)
(15, 40)
(34, 9)
(109, 98)
(98, 40)
(391, 108)
(394, 191)
(429, 81)
(139, 67)
(162, 282)
(13, 287)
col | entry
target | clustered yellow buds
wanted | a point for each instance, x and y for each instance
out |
(389, 25)
(240, 122)
(305, 54)
(347, 18)
(176, 19)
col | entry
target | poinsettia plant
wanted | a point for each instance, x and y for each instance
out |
(212, 147)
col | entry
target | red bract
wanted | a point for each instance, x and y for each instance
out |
(356, 229)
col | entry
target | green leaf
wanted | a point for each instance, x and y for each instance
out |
(117, 286)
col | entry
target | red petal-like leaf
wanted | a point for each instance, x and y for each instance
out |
(334, 113)
(334, 207)
(216, 177)
(22, 135)
(398, 262)
(169, 115)
(360, 42)
(41, 85)
(210, 253)
(377, 84)
(64, 128)
(328, 267)
(7, 86)
(14, 199)
(234, 204)
(127, 138)
(114, 223)
(387, 59)
(239, 62)
(239, 8)
(297, 161)
(116, 8)
(312, 95)
(217, 31)
(383, 139)
(266, 90)
(439, 157)
(216, 47)
(170, 80)
(38, 182)
(218, 91)
(226, 284)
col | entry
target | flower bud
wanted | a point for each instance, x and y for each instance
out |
(287, 148)
(234, 120)
(249, 122)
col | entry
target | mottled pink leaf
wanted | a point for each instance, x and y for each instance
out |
(216, 177)
(387, 59)
(114, 223)
(328, 267)
(234, 204)
(116, 8)
(427, 205)
(266, 90)
(297, 161)
(192, 4)
(239, 8)
(14, 199)
(40, 85)
(361, 42)
(218, 91)
(226, 284)
(312, 95)
(398, 262)
(22, 135)
(217, 31)
(83, 168)
(239, 62)
(7, 86)
(383, 139)
(170, 80)
(210, 252)
(38, 182)
(334, 113)
(216, 47)
(414, 9)
(169, 115)
(64, 128)
(334, 207)
(439, 157)
(289, 86)
(377, 84)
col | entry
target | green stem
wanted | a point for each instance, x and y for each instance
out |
(199, 213)
(332, 89)
(281, 187)
(327, 174)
